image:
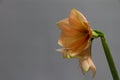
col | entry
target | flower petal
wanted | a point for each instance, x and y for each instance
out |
(77, 19)
(92, 66)
(86, 65)
(86, 52)
(76, 44)
(64, 25)
(80, 44)
(69, 35)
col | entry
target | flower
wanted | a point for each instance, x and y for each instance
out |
(75, 39)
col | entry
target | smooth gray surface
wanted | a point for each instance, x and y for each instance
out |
(28, 38)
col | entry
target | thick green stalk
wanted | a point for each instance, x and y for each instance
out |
(108, 56)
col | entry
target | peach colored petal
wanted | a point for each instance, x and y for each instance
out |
(77, 19)
(64, 25)
(88, 28)
(68, 34)
(80, 44)
(77, 45)
(82, 51)
(86, 52)
(69, 41)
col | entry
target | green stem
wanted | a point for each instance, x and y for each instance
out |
(108, 56)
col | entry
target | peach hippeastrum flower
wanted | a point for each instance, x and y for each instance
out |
(76, 38)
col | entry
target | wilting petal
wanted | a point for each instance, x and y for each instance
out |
(86, 65)
(86, 62)
(92, 66)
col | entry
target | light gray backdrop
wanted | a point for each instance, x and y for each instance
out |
(28, 38)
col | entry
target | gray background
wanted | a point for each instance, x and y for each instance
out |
(28, 38)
